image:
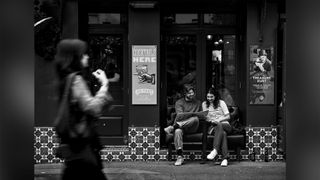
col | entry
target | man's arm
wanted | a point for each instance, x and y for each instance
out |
(179, 107)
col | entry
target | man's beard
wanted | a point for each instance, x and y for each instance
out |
(189, 98)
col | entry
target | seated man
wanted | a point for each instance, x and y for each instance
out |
(186, 121)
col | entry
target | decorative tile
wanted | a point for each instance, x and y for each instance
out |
(45, 145)
(262, 141)
(144, 145)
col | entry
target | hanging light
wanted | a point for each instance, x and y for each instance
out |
(143, 4)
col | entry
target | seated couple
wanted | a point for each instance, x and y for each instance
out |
(189, 110)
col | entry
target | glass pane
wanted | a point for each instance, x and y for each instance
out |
(220, 19)
(106, 53)
(181, 65)
(105, 18)
(180, 19)
(221, 66)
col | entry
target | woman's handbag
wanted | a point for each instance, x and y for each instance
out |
(62, 121)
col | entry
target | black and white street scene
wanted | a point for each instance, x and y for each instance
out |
(160, 89)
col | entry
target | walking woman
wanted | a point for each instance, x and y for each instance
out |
(218, 116)
(77, 134)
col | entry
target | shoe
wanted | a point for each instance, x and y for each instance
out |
(212, 154)
(224, 163)
(179, 161)
(168, 130)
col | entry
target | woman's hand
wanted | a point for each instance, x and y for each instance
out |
(212, 120)
(101, 76)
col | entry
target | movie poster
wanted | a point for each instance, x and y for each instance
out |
(144, 71)
(261, 82)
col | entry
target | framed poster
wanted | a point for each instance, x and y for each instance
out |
(144, 74)
(261, 74)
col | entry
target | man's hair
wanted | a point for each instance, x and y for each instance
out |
(187, 88)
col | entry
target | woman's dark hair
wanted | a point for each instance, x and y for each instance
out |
(69, 55)
(216, 98)
(68, 59)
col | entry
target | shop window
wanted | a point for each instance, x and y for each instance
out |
(220, 19)
(106, 53)
(106, 18)
(180, 18)
(181, 64)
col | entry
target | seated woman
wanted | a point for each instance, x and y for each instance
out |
(218, 116)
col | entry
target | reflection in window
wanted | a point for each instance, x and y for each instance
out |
(181, 65)
(180, 18)
(220, 19)
(105, 18)
(221, 69)
(106, 53)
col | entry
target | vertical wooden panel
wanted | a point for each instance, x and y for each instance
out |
(144, 29)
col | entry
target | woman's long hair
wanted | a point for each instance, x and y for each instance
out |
(216, 98)
(68, 59)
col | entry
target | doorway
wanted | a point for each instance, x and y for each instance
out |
(108, 50)
(203, 59)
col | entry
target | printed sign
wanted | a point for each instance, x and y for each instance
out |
(261, 76)
(144, 71)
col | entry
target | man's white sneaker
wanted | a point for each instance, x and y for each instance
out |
(212, 154)
(179, 161)
(224, 163)
(168, 129)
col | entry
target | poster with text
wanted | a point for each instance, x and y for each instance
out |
(144, 71)
(261, 82)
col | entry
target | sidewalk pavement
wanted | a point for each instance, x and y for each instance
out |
(164, 170)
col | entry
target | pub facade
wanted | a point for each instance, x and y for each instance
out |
(150, 49)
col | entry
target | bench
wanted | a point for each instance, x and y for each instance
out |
(236, 142)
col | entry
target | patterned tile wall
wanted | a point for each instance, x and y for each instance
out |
(262, 142)
(45, 143)
(144, 145)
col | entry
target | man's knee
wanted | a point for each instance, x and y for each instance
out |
(193, 121)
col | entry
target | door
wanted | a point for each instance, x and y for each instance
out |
(202, 59)
(221, 66)
(107, 42)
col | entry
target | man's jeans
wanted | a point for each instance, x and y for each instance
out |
(187, 126)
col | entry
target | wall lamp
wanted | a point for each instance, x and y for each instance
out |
(143, 4)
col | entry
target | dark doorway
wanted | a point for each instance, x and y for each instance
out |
(197, 49)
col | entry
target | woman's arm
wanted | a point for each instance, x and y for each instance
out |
(226, 114)
(204, 106)
(88, 103)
